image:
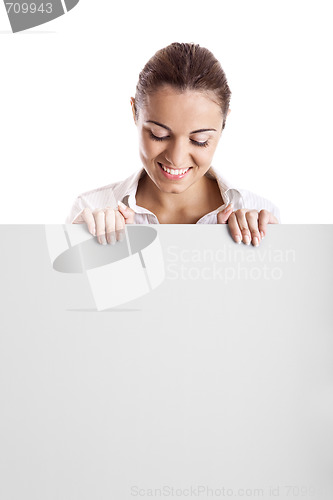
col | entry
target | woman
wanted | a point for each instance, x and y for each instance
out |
(180, 110)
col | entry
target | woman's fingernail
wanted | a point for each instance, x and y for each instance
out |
(247, 239)
(238, 238)
(262, 235)
(101, 239)
(122, 205)
(255, 241)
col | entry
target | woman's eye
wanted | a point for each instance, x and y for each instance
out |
(197, 143)
(155, 138)
(201, 144)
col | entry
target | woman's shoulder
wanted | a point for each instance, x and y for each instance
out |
(254, 201)
(242, 198)
(114, 187)
(103, 196)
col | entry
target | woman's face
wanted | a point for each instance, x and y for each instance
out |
(178, 132)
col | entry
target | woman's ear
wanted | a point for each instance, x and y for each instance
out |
(133, 108)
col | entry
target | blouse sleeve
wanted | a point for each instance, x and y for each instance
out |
(76, 209)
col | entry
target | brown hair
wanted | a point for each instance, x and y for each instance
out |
(184, 66)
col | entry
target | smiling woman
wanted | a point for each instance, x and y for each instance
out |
(180, 110)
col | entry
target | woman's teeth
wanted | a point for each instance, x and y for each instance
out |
(174, 172)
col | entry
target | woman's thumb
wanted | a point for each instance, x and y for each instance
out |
(223, 216)
(126, 212)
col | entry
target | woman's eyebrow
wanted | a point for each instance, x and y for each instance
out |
(159, 124)
(193, 132)
(203, 130)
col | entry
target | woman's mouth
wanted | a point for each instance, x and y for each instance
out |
(173, 173)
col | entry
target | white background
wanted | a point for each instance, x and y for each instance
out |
(65, 119)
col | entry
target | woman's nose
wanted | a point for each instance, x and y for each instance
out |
(177, 154)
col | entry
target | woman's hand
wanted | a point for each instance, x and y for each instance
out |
(246, 225)
(106, 223)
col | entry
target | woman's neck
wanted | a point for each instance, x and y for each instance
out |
(179, 208)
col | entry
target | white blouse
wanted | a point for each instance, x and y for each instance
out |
(125, 191)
